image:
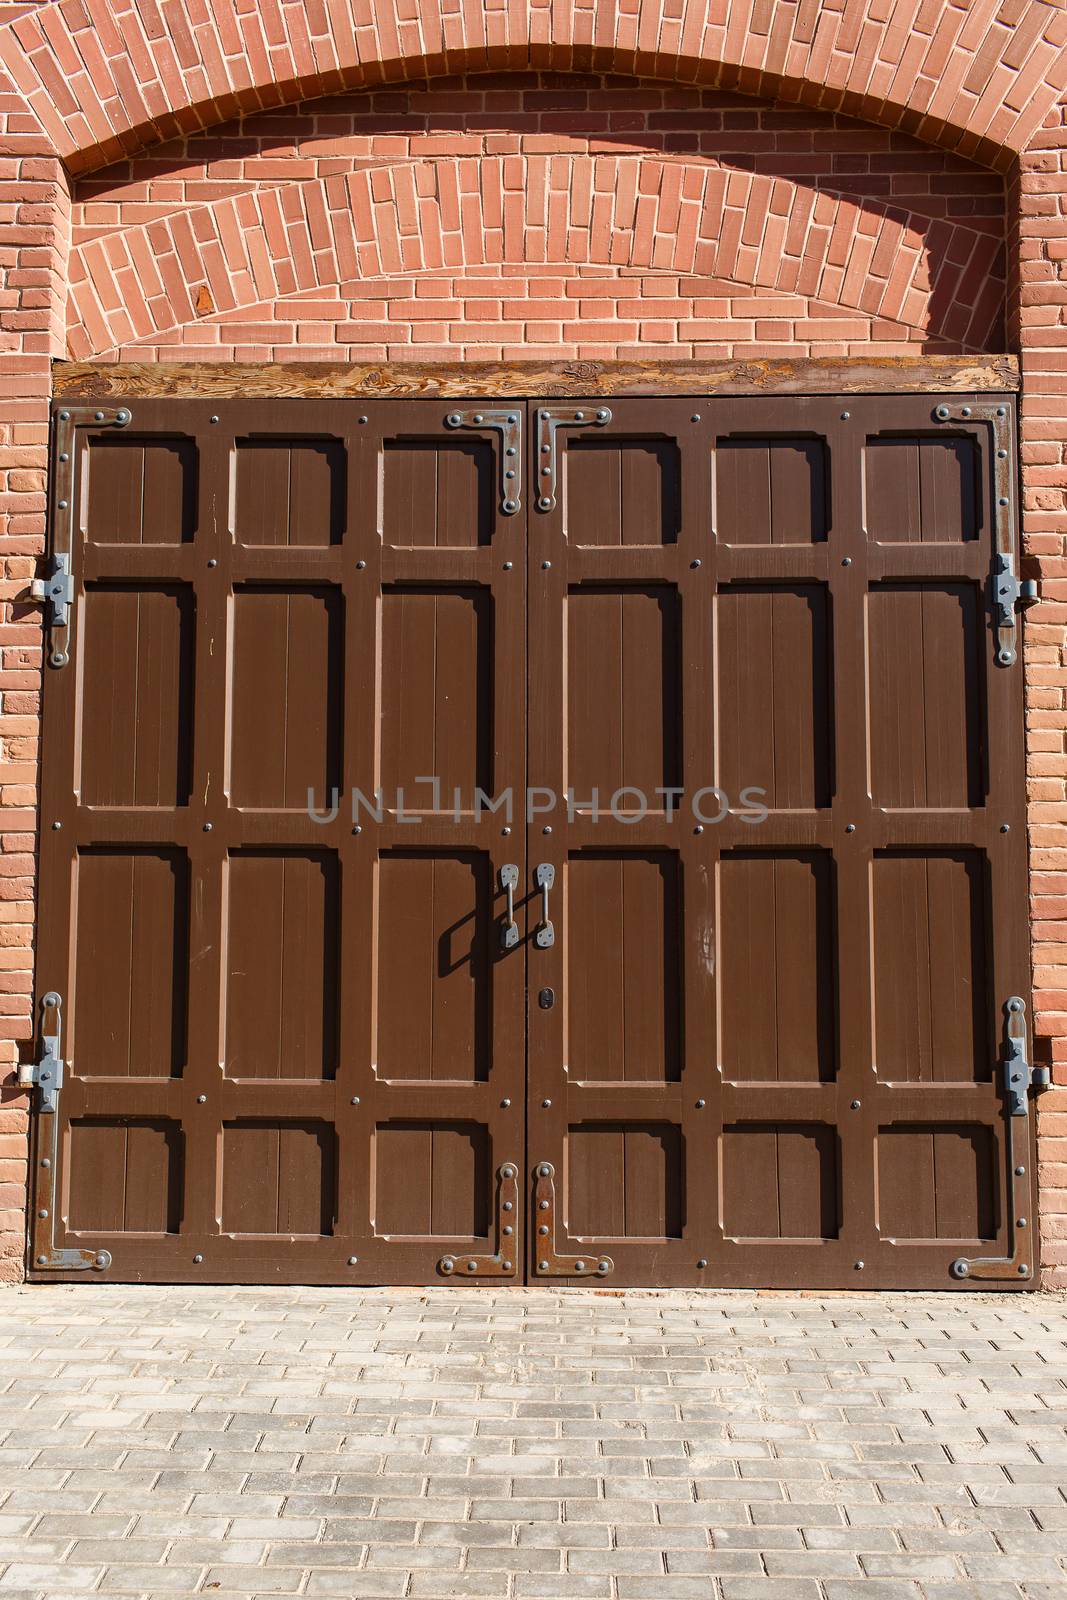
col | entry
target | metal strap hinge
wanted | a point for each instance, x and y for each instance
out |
(46, 1075)
(57, 589)
(508, 424)
(1019, 1078)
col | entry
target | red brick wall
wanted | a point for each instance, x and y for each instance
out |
(505, 216)
(750, 228)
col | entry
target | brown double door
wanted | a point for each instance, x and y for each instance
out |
(712, 681)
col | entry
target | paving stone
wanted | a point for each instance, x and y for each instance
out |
(531, 1445)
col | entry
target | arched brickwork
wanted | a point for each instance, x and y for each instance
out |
(101, 77)
(563, 212)
(83, 82)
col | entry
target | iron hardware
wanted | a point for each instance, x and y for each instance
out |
(502, 1264)
(46, 1073)
(46, 1076)
(57, 589)
(549, 419)
(509, 932)
(549, 1263)
(546, 933)
(546, 999)
(1019, 1077)
(1009, 592)
(509, 426)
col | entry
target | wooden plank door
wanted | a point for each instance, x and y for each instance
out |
(293, 1044)
(765, 1050)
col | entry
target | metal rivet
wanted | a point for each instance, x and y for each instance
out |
(447, 1264)
(1005, 827)
(602, 1266)
(511, 505)
(507, 1172)
(508, 565)
(510, 451)
(846, 561)
(602, 415)
(353, 1261)
(102, 1260)
(1020, 1172)
(63, 505)
(478, 417)
(858, 1265)
(579, 1266)
(1020, 1222)
(695, 563)
(1002, 455)
(354, 1100)
(547, 828)
(543, 1231)
(702, 1263)
(46, 1161)
(208, 826)
(941, 412)
(579, 416)
(64, 416)
(542, 1266)
(508, 1266)
(63, 456)
(453, 419)
(856, 1105)
(472, 1266)
(360, 565)
(122, 416)
(545, 565)
(845, 415)
(1003, 501)
(197, 1260)
(699, 828)
(546, 1104)
(42, 1261)
(505, 831)
(506, 1102)
(508, 1230)
(1024, 1272)
(212, 562)
(362, 419)
(201, 1099)
(98, 416)
(1002, 411)
(513, 416)
(509, 1205)
(358, 828)
(850, 827)
(544, 504)
(56, 827)
(43, 1214)
(213, 419)
(1015, 1004)
(542, 1205)
(701, 1104)
(695, 417)
(966, 411)
(544, 1172)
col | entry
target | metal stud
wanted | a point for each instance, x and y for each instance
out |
(579, 1266)
(1020, 1172)
(213, 419)
(543, 1231)
(542, 1266)
(544, 1172)
(859, 1265)
(856, 1105)
(353, 1261)
(56, 827)
(355, 1100)
(508, 565)
(197, 1260)
(208, 826)
(702, 1263)
(846, 561)
(212, 562)
(695, 563)
(850, 827)
(545, 565)
(360, 565)
(845, 415)
(358, 828)
(505, 1103)
(545, 1104)
(701, 1104)
(98, 416)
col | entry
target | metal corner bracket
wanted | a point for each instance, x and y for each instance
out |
(46, 1076)
(1009, 592)
(549, 420)
(503, 1263)
(1019, 1077)
(56, 590)
(548, 1262)
(508, 423)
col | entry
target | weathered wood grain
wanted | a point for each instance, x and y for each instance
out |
(325, 380)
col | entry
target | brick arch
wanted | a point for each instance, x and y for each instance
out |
(104, 79)
(576, 210)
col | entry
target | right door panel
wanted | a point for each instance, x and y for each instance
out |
(787, 850)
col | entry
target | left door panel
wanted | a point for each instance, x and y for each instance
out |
(290, 1031)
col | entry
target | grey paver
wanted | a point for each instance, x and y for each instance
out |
(532, 1445)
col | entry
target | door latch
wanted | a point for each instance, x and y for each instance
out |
(56, 591)
(46, 1073)
(546, 933)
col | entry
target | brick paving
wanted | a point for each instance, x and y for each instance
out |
(529, 1444)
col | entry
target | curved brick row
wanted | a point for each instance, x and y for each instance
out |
(102, 77)
(631, 212)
